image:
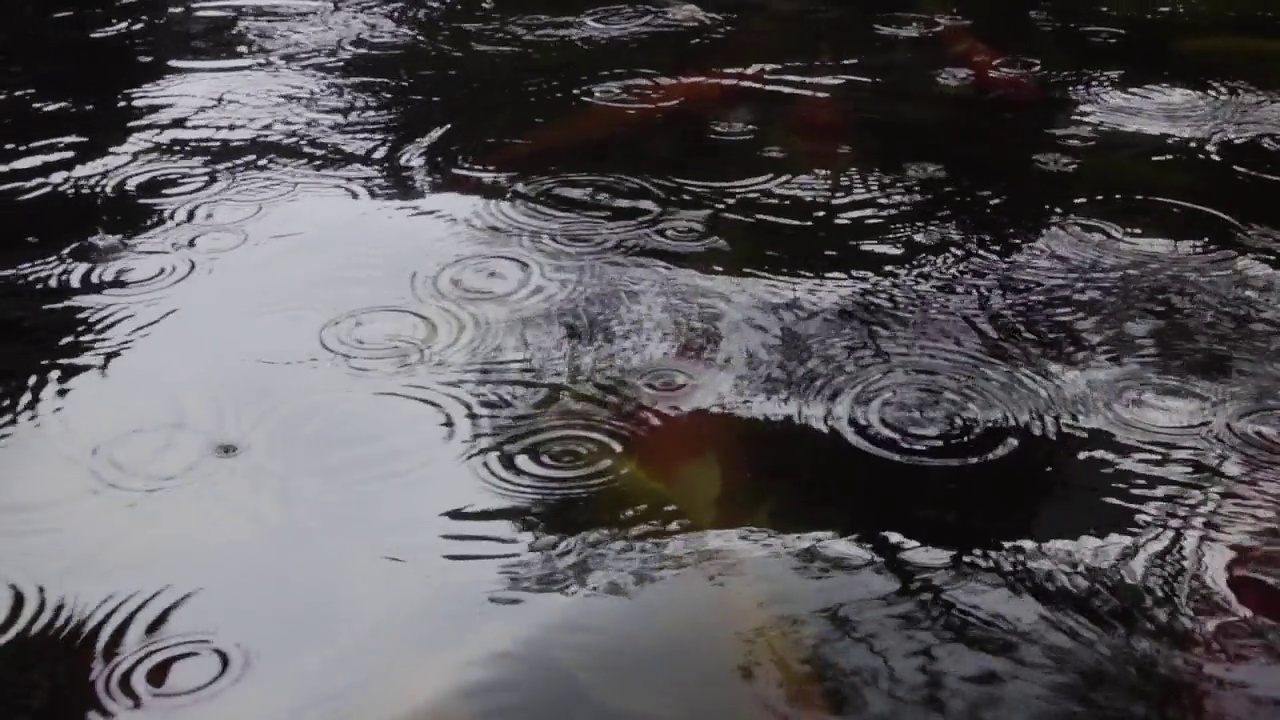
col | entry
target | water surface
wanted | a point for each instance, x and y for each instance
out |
(470, 359)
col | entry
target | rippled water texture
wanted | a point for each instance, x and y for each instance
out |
(720, 359)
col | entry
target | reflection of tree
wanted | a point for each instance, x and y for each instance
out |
(1085, 631)
(66, 75)
(795, 479)
(983, 147)
(41, 346)
(54, 653)
(67, 68)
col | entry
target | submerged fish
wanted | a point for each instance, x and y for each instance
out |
(688, 648)
(1247, 581)
(816, 124)
(597, 123)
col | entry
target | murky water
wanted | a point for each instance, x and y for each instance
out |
(482, 359)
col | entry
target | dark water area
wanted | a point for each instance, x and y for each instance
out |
(478, 359)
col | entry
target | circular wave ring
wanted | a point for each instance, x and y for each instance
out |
(1253, 433)
(156, 458)
(1157, 410)
(513, 281)
(1255, 156)
(686, 233)
(563, 458)
(1139, 229)
(939, 407)
(210, 241)
(620, 18)
(578, 214)
(164, 183)
(119, 272)
(905, 24)
(390, 338)
(647, 92)
(169, 671)
(675, 384)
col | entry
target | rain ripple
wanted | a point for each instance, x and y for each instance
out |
(168, 673)
(189, 439)
(1106, 238)
(390, 339)
(1140, 229)
(572, 448)
(597, 214)
(649, 91)
(313, 34)
(560, 458)
(1234, 123)
(157, 458)
(154, 182)
(629, 19)
(109, 266)
(597, 25)
(111, 658)
(1257, 156)
(1154, 411)
(300, 452)
(903, 24)
(336, 448)
(499, 285)
(247, 195)
(674, 384)
(1251, 432)
(935, 403)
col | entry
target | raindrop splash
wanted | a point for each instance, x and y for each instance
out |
(169, 672)
(506, 284)
(393, 339)
(939, 405)
(579, 214)
(907, 25)
(554, 459)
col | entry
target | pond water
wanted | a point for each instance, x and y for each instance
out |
(569, 359)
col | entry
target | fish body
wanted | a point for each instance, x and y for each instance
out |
(687, 648)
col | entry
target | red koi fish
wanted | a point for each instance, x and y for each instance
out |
(1259, 596)
(1232, 641)
(696, 95)
(695, 461)
(985, 64)
(816, 125)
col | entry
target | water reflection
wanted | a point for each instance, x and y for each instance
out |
(921, 358)
(65, 659)
(894, 626)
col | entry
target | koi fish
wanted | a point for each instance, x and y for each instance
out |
(695, 461)
(680, 648)
(1260, 597)
(816, 124)
(599, 122)
(984, 62)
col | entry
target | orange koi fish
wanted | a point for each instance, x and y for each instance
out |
(695, 461)
(816, 124)
(983, 61)
(1260, 597)
(597, 123)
